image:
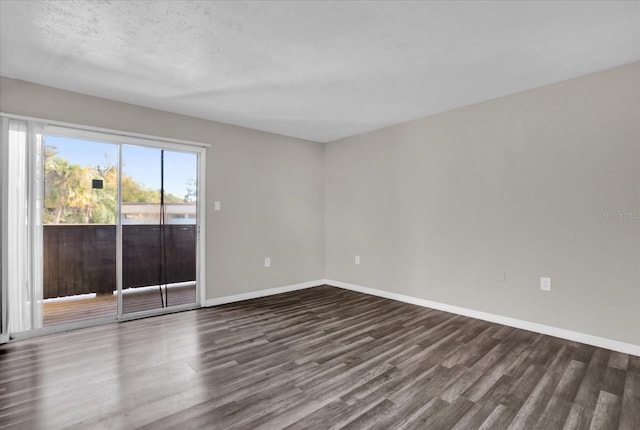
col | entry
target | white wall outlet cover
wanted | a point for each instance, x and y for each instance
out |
(545, 284)
(267, 262)
(216, 205)
(357, 259)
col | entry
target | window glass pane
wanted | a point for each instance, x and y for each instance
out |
(79, 232)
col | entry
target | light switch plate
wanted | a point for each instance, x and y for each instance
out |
(216, 205)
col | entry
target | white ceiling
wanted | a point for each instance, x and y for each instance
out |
(315, 70)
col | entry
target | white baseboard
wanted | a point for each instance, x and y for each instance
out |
(262, 293)
(600, 342)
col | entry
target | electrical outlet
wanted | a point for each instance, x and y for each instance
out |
(267, 262)
(545, 284)
(357, 260)
(216, 205)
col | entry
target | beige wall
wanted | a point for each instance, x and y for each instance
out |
(441, 207)
(270, 187)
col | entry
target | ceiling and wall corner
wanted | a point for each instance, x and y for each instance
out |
(319, 71)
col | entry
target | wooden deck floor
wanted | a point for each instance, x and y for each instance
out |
(315, 359)
(105, 305)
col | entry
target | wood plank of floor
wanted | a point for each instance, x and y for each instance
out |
(316, 358)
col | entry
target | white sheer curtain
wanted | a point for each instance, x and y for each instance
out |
(22, 143)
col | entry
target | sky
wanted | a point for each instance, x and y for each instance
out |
(139, 162)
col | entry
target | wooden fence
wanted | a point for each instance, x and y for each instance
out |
(80, 259)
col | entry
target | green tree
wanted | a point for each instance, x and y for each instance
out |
(70, 198)
(66, 186)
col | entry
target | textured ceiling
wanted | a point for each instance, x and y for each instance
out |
(315, 70)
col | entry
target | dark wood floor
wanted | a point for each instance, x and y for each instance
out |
(315, 359)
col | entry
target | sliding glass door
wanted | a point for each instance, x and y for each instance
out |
(159, 228)
(95, 227)
(79, 218)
